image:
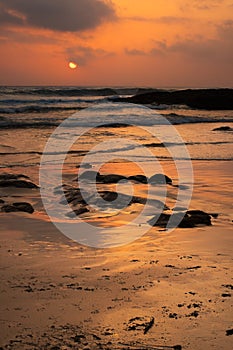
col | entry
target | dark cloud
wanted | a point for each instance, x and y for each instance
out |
(59, 15)
(82, 54)
(8, 16)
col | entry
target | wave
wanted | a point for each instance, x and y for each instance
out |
(14, 124)
(177, 119)
(27, 124)
(57, 91)
(72, 91)
(37, 109)
(50, 101)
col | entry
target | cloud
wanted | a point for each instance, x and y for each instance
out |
(198, 49)
(225, 30)
(200, 5)
(82, 54)
(203, 50)
(162, 19)
(135, 52)
(58, 15)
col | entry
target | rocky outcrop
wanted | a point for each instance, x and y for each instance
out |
(209, 99)
(160, 179)
(223, 128)
(189, 219)
(15, 180)
(144, 323)
(138, 178)
(18, 184)
(95, 176)
(17, 206)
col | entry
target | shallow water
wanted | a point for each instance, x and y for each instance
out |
(166, 140)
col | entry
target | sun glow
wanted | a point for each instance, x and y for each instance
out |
(73, 65)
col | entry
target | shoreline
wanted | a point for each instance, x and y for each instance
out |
(182, 279)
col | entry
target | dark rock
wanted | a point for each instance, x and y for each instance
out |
(162, 221)
(77, 212)
(73, 196)
(110, 178)
(29, 289)
(194, 305)
(24, 206)
(193, 267)
(223, 128)
(138, 323)
(149, 325)
(123, 200)
(113, 125)
(229, 332)
(89, 175)
(12, 176)
(95, 176)
(209, 99)
(2, 201)
(78, 338)
(18, 206)
(226, 295)
(17, 183)
(96, 337)
(173, 315)
(194, 314)
(159, 179)
(139, 200)
(228, 286)
(214, 215)
(138, 178)
(191, 218)
(109, 196)
(8, 208)
(153, 144)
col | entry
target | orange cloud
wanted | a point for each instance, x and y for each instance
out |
(122, 42)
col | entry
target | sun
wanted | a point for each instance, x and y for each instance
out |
(73, 65)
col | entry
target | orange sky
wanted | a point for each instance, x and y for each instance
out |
(172, 43)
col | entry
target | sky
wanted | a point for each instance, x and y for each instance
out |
(154, 43)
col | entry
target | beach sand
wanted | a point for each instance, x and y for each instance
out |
(58, 294)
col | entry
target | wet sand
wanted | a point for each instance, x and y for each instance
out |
(58, 294)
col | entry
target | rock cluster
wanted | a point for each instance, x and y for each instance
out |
(18, 181)
(95, 176)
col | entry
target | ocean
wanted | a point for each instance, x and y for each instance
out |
(28, 115)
